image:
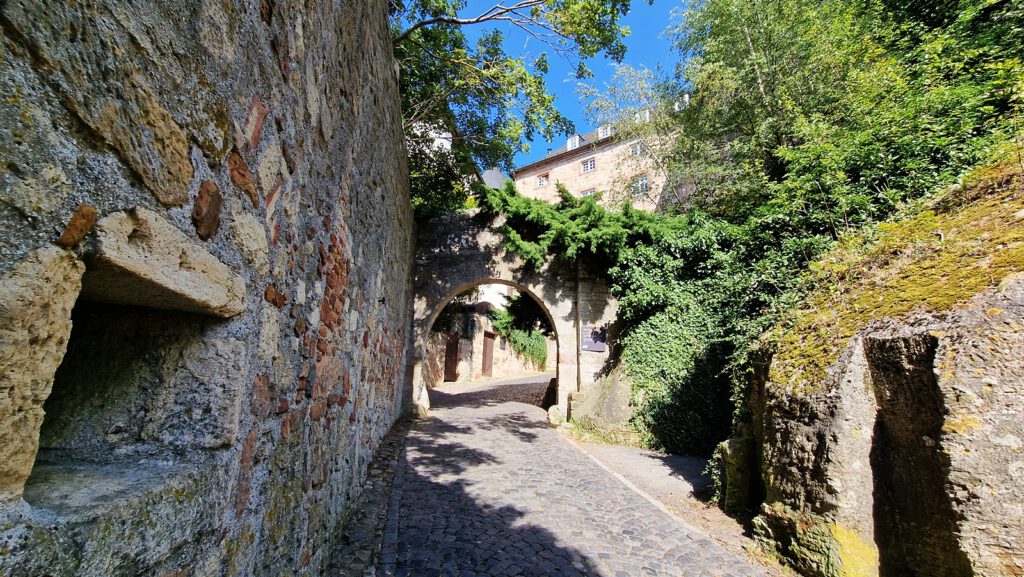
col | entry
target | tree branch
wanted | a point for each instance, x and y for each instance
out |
(493, 13)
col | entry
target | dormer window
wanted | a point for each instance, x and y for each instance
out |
(573, 142)
(542, 180)
(588, 165)
(642, 115)
(604, 131)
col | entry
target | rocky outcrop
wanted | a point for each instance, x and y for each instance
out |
(206, 260)
(905, 456)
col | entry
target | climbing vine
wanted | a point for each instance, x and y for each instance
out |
(809, 122)
(525, 327)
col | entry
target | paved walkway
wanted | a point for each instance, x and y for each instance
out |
(485, 487)
(679, 484)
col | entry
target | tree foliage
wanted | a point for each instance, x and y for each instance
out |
(808, 120)
(470, 104)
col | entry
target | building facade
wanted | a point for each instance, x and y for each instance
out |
(617, 169)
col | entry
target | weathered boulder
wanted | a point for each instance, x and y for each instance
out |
(36, 298)
(909, 454)
(889, 420)
(739, 471)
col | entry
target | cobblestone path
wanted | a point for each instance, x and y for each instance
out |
(485, 487)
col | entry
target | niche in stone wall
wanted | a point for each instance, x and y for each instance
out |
(915, 524)
(145, 373)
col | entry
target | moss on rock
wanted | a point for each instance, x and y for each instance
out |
(968, 240)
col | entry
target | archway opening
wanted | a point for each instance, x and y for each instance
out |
(491, 331)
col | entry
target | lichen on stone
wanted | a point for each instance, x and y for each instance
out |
(967, 240)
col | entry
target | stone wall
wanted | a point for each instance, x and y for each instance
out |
(205, 281)
(908, 459)
(458, 252)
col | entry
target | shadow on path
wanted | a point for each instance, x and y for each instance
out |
(439, 527)
(485, 487)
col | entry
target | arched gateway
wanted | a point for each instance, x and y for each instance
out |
(459, 251)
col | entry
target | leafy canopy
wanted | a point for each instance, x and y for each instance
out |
(808, 121)
(470, 104)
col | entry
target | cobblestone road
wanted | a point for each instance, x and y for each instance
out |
(485, 487)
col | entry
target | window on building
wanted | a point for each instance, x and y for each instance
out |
(573, 142)
(542, 180)
(640, 185)
(589, 165)
(637, 148)
(588, 192)
(642, 115)
(604, 131)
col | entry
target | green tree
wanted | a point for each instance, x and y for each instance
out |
(525, 326)
(808, 120)
(467, 105)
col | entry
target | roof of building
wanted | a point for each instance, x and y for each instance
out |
(587, 143)
(494, 178)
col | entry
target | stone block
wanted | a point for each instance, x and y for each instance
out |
(81, 222)
(241, 177)
(143, 260)
(36, 299)
(254, 118)
(201, 403)
(206, 211)
(251, 237)
(739, 470)
(104, 80)
(555, 415)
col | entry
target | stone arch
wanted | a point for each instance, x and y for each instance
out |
(459, 251)
(439, 306)
(423, 333)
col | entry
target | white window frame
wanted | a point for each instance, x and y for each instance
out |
(573, 142)
(588, 192)
(637, 148)
(588, 165)
(604, 131)
(642, 115)
(543, 180)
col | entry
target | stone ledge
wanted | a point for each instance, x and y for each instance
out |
(128, 515)
(143, 260)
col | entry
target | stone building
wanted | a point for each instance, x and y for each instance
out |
(469, 348)
(599, 162)
(205, 282)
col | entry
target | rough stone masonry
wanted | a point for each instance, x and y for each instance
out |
(205, 281)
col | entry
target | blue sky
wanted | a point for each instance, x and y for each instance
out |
(646, 47)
